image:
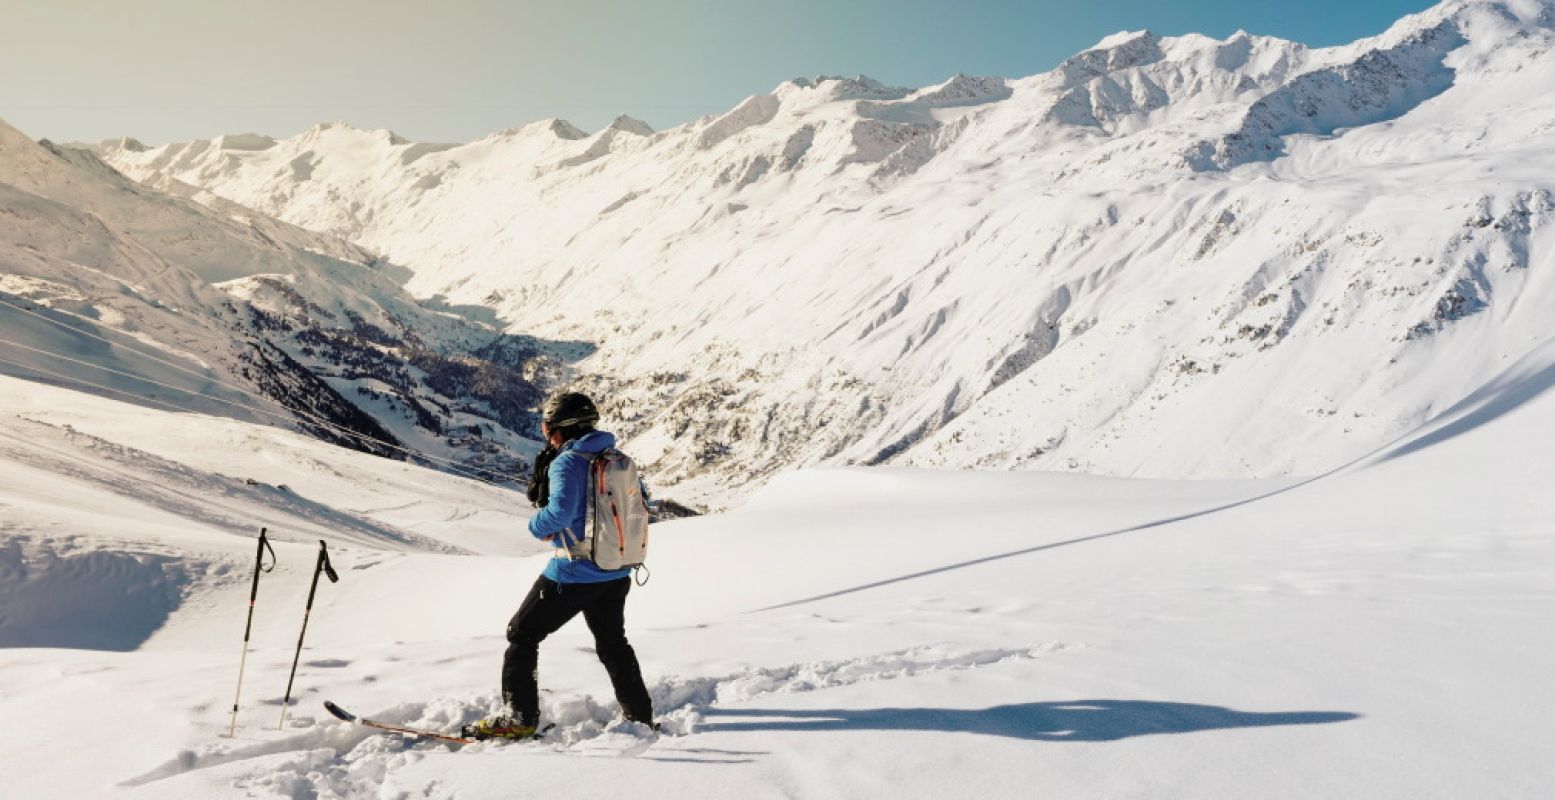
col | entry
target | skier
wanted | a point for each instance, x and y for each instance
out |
(568, 585)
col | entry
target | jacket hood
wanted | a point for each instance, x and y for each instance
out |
(592, 442)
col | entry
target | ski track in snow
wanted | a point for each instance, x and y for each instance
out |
(341, 759)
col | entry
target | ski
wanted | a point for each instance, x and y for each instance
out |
(421, 733)
(400, 729)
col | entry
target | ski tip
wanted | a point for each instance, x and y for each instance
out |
(339, 712)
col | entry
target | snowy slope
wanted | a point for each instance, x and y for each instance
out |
(1378, 631)
(1167, 257)
(210, 306)
(84, 474)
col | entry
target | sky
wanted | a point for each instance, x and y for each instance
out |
(456, 70)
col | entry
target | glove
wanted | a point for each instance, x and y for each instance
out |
(540, 478)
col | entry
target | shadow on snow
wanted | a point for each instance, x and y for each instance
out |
(1510, 390)
(1049, 546)
(1073, 721)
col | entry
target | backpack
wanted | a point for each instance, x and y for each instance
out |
(616, 514)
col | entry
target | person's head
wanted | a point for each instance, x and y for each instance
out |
(567, 416)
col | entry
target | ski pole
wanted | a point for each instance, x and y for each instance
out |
(253, 594)
(323, 566)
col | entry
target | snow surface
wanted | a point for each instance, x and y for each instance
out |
(1378, 631)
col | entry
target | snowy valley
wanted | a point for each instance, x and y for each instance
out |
(119, 289)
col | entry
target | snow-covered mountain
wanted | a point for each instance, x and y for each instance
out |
(1166, 257)
(114, 287)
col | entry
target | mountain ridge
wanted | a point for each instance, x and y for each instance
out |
(1052, 271)
(167, 295)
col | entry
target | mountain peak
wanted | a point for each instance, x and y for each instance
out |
(10, 135)
(1122, 39)
(230, 141)
(1119, 51)
(551, 126)
(337, 125)
(837, 87)
(962, 89)
(566, 130)
(631, 125)
(126, 143)
(862, 87)
(254, 141)
(25, 163)
(1495, 20)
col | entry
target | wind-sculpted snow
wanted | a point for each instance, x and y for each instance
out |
(87, 598)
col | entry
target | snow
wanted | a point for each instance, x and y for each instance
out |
(1171, 424)
(1119, 39)
(189, 301)
(1065, 271)
(756, 110)
(631, 125)
(1376, 631)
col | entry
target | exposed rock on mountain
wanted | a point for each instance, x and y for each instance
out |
(115, 287)
(1170, 256)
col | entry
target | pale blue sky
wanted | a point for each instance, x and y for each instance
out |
(456, 70)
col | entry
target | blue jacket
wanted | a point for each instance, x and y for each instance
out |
(567, 506)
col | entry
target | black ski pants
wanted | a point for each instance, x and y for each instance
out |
(548, 607)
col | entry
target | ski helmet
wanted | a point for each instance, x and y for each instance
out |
(569, 410)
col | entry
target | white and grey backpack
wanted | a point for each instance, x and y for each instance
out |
(616, 516)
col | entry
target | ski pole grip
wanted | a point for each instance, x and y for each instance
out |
(259, 567)
(264, 544)
(329, 569)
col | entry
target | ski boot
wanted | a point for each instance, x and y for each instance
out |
(649, 723)
(498, 728)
